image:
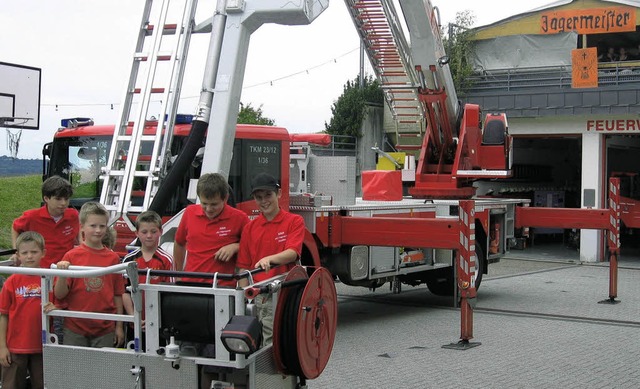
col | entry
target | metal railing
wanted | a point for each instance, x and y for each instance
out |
(609, 74)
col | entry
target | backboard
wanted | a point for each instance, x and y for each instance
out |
(19, 96)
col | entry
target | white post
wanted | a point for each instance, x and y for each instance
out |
(592, 165)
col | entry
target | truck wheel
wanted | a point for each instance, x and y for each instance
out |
(441, 282)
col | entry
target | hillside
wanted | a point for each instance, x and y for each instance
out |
(10, 167)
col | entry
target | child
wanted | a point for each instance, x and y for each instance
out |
(273, 238)
(55, 221)
(20, 318)
(97, 294)
(209, 233)
(110, 238)
(148, 256)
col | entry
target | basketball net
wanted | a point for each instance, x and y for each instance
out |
(13, 142)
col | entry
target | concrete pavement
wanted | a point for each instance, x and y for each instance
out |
(539, 323)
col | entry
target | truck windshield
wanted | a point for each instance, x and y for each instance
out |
(80, 159)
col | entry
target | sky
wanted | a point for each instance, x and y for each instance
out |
(293, 73)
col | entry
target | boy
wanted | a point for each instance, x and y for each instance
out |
(149, 255)
(20, 318)
(209, 233)
(55, 221)
(97, 294)
(273, 238)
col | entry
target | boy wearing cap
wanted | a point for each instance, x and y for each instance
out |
(208, 236)
(273, 238)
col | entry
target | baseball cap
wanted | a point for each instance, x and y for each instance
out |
(264, 181)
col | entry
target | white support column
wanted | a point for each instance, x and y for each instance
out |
(592, 167)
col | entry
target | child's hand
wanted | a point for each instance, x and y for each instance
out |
(49, 307)
(63, 265)
(5, 357)
(225, 253)
(118, 339)
(14, 258)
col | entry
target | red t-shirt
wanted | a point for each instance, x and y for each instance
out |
(20, 298)
(161, 260)
(262, 238)
(59, 237)
(93, 294)
(203, 238)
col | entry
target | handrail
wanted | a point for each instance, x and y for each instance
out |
(613, 73)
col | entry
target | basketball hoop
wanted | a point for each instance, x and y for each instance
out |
(13, 142)
(13, 138)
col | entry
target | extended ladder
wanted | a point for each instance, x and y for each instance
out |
(142, 139)
(381, 33)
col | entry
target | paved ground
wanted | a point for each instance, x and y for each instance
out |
(539, 323)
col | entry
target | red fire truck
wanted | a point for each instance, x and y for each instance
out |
(440, 235)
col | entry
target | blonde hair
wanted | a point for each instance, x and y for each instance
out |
(92, 208)
(109, 239)
(30, 236)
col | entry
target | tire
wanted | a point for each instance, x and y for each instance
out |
(441, 282)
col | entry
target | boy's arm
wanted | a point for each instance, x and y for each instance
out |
(227, 252)
(281, 258)
(119, 338)
(179, 252)
(127, 303)
(61, 287)
(5, 355)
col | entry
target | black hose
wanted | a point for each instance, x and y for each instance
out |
(179, 167)
(288, 335)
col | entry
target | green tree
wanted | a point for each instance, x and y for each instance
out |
(459, 47)
(250, 115)
(348, 111)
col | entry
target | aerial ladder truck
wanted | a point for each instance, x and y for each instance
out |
(441, 235)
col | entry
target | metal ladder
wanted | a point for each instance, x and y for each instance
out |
(142, 137)
(379, 28)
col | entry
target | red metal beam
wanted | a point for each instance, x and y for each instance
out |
(399, 232)
(581, 218)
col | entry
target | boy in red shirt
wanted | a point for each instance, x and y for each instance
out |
(55, 221)
(209, 232)
(273, 238)
(97, 294)
(20, 318)
(148, 256)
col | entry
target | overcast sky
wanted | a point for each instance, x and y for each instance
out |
(84, 46)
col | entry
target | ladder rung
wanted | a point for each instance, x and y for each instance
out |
(153, 90)
(169, 29)
(160, 57)
(408, 147)
(141, 158)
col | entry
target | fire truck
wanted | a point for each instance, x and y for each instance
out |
(162, 158)
(440, 234)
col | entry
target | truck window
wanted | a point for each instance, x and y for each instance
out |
(251, 156)
(80, 159)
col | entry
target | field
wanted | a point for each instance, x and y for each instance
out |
(17, 195)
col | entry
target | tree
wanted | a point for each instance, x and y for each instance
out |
(459, 47)
(348, 111)
(250, 115)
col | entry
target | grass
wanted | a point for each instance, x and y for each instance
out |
(17, 195)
